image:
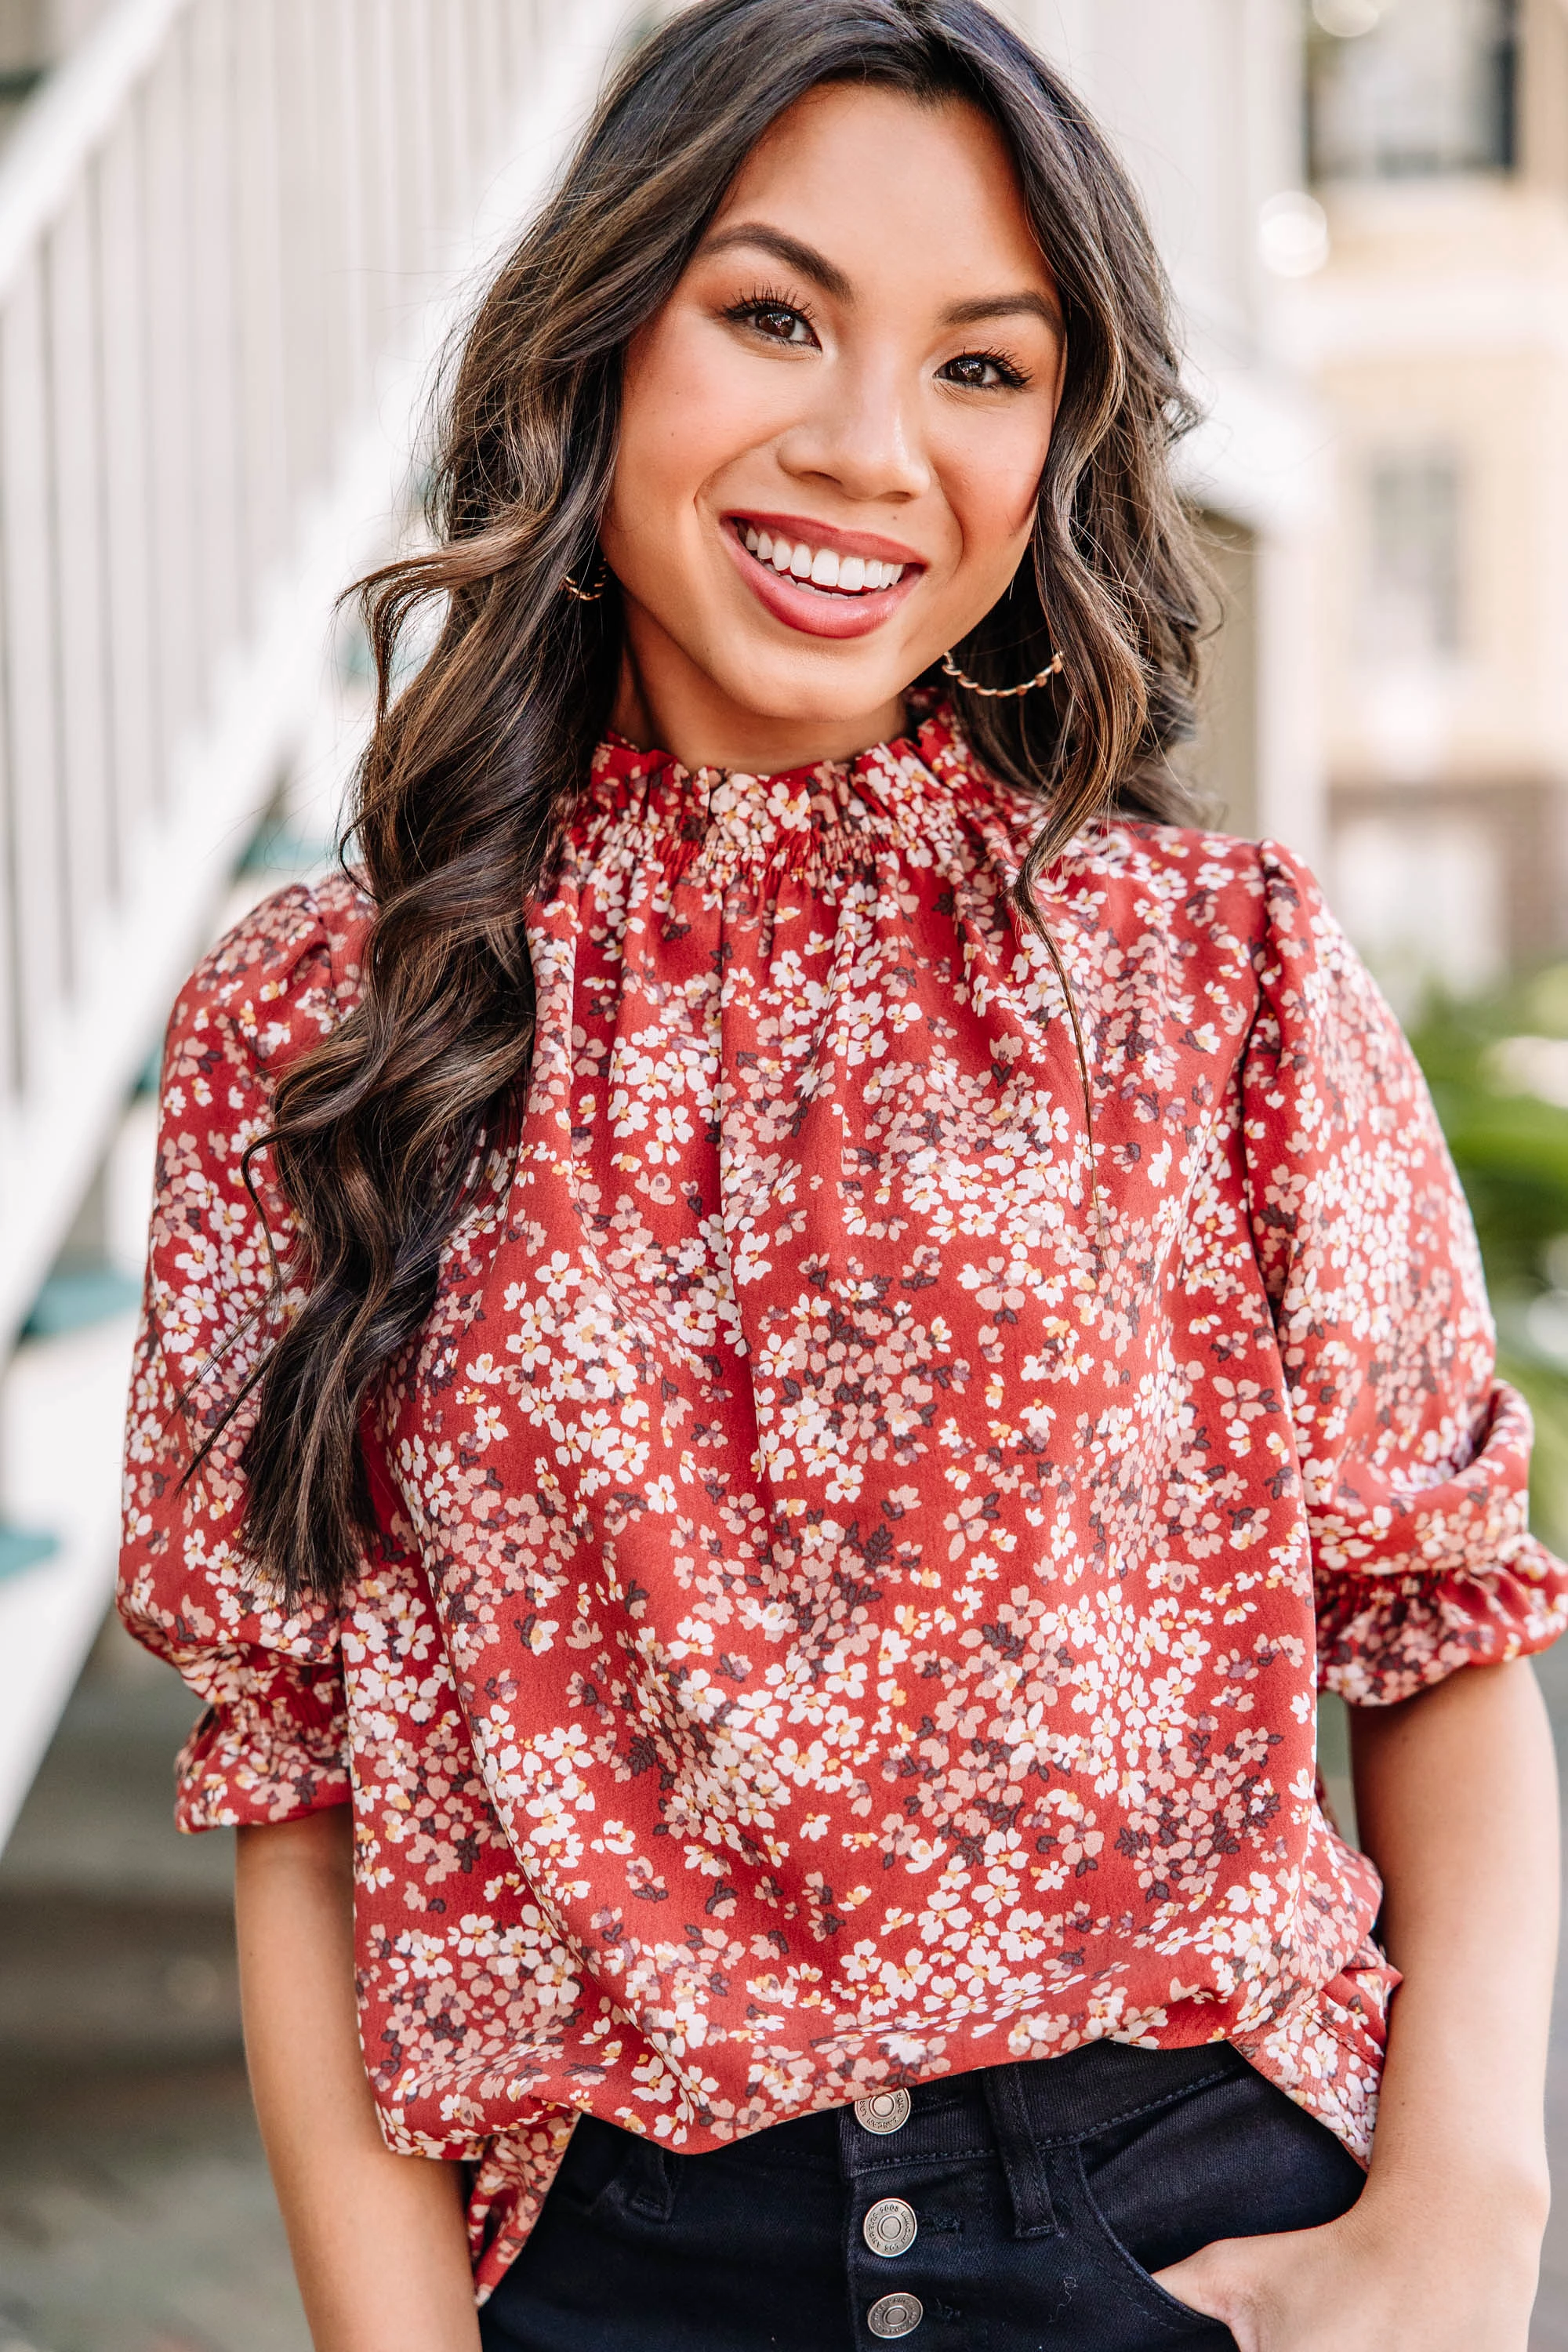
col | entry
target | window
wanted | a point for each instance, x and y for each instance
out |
(1422, 897)
(1411, 613)
(1403, 88)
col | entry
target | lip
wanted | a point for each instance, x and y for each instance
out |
(825, 534)
(812, 610)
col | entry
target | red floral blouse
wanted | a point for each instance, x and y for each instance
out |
(854, 1558)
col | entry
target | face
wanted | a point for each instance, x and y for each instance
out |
(833, 435)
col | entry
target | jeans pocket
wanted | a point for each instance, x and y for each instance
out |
(650, 2180)
(608, 2170)
(1180, 2318)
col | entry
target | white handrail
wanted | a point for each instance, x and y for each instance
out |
(232, 235)
(60, 127)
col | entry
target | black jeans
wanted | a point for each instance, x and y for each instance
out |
(1019, 2210)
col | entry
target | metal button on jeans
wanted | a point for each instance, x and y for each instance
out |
(883, 2111)
(891, 2227)
(895, 2315)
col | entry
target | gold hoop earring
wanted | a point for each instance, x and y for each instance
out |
(588, 595)
(1003, 693)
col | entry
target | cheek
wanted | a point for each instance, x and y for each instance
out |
(690, 409)
(660, 442)
(993, 482)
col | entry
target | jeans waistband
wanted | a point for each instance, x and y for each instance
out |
(1038, 2102)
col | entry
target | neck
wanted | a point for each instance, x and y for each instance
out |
(677, 708)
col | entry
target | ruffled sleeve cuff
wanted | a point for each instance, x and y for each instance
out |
(1415, 1584)
(273, 1747)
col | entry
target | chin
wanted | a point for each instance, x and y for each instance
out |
(812, 692)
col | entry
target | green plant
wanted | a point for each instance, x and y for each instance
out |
(1498, 1068)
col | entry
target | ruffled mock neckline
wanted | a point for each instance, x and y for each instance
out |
(903, 790)
(618, 759)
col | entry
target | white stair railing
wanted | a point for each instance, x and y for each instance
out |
(233, 235)
(216, 227)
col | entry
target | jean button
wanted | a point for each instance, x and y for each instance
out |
(883, 2111)
(895, 2315)
(891, 2227)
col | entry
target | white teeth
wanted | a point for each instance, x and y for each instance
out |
(850, 575)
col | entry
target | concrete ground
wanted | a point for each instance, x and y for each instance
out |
(135, 2213)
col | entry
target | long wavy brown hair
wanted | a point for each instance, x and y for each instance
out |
(474, 762)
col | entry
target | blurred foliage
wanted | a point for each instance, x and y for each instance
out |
(1510, 1146)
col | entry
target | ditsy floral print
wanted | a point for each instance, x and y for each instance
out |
(860, 1532)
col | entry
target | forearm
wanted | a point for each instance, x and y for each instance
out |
(1456, 1801)
(377, 2240)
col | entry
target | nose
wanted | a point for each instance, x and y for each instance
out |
(862, 433)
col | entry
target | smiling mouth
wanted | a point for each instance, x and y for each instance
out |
(822, 568)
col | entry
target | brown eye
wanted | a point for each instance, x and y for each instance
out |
(981, 372)
(781, 322)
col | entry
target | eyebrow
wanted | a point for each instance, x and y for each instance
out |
(804, 258)
(797, 255)
(1005, 306)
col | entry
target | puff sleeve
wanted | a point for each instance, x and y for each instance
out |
(1414, 1457)
(271, 1743)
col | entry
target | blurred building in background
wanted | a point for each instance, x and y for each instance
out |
(1435, 331)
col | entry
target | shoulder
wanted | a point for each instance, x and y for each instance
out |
(1180, 880)
(1264, 888)
(277, 982)
(1242, 923)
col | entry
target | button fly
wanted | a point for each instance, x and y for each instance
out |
(891, 2227)
(895, 2315)
(883, 2111)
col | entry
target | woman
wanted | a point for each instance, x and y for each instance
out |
(761, 1327)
